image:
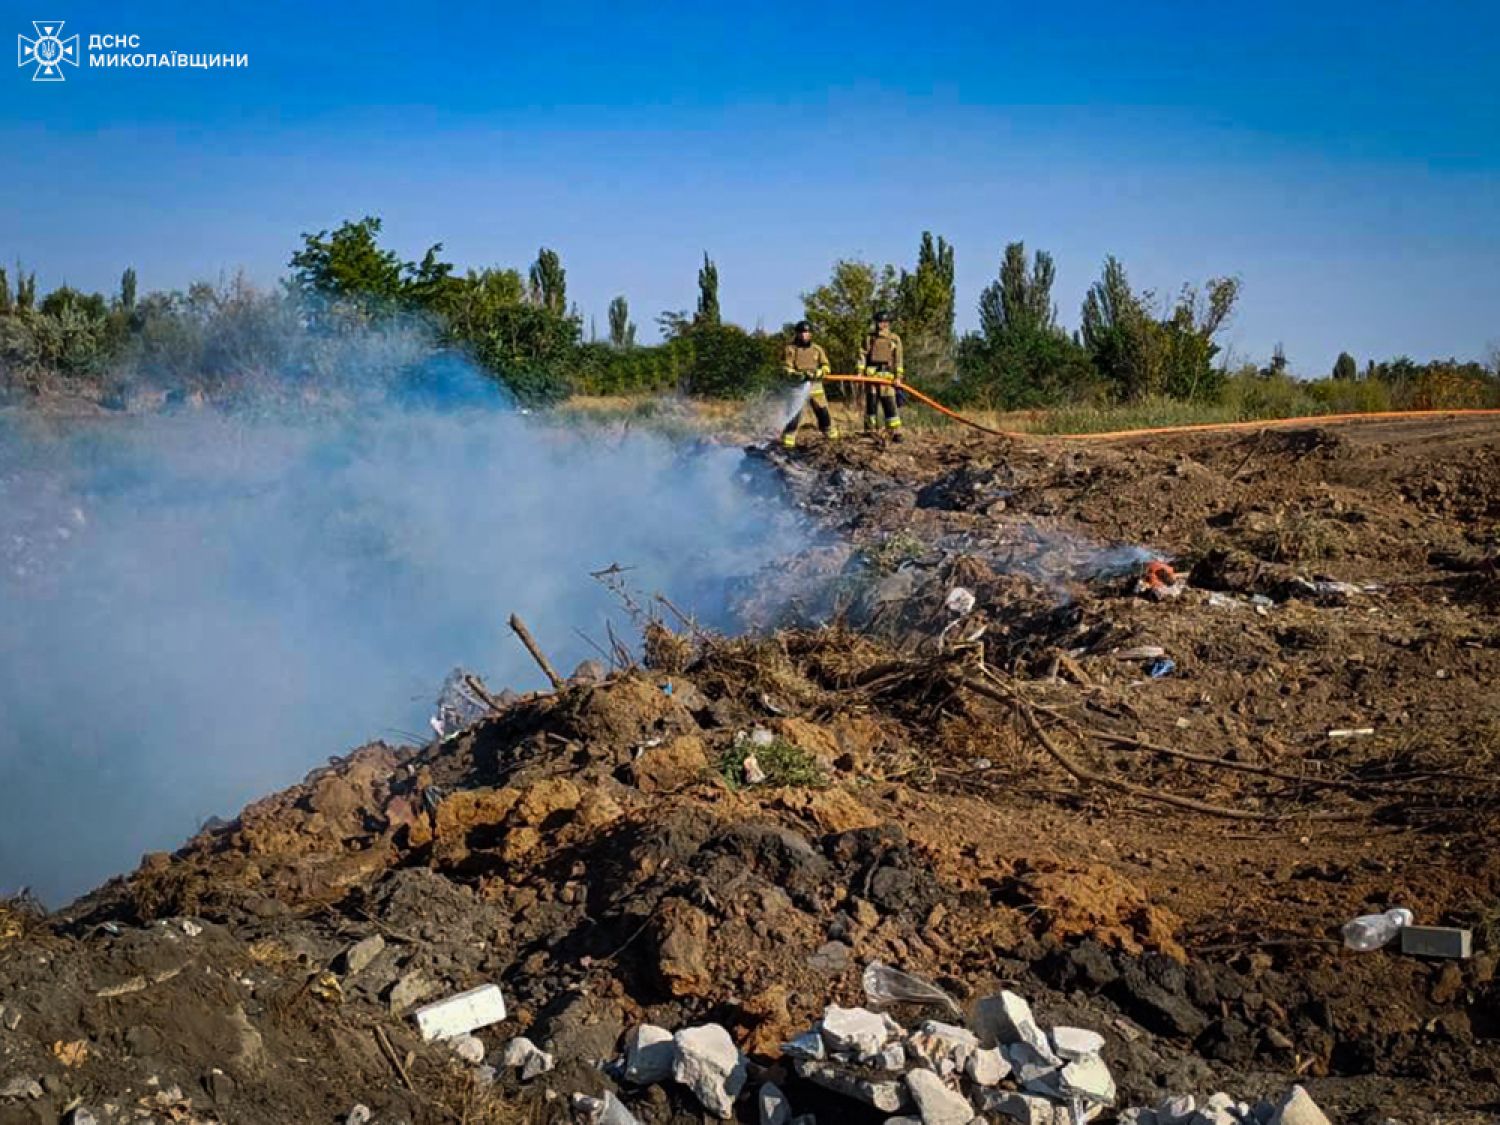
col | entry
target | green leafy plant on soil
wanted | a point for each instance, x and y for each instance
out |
(784, 764)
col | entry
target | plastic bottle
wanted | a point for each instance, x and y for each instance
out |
(1371, 931)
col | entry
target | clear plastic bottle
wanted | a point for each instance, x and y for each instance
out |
(1371, 931)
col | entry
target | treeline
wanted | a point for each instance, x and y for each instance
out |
(1130, 345)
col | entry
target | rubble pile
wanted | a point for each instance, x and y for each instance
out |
(657, 893)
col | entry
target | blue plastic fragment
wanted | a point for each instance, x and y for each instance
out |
(1162, 666)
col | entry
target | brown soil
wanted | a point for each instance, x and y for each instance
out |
(1004, 798)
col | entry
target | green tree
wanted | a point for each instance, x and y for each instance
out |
(25, 290)
(7, 301)
(1345, 368)
(1019, 303)
(729, 362)
(840, 311)
(549, 282)
(708, 293)
(621, 330)
(349, 264)
(924, 310)
(1020, 357)
(127, 291)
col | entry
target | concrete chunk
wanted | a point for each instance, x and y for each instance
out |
(854, 1031)
(1436, 941)
(942, 1047)
(1007, 1018)
(469, 1048)
(886, 1095)
(1028, 1109)
(1089, 1078)
(1070, 1043)
(1298, 1108)
(708, 1063)
(461, 1014)
(937, 1104)
(359, 955)
(987, 1066)
(525, 1056)
(649, 1051)
(602, 1111)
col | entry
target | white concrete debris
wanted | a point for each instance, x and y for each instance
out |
(469, 1048)
(458, 1015)
(1298, 1108)
(772, 1105)
(854, 1031)
(359, 1115)
(1031, 1066)
(1177, 1110)
(1076, 1042)
(1028, 1109)
(892, 1057)
(602, 1111)
(1089, 1078)
(707, 1062)
(1007, 1018)
(987, 1066)
(887, 1095)
(943, 1047)
(82, 1116)
(648, 1054)
(937, 1104)
(524, 1055)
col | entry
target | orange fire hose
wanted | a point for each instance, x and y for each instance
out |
(1193, 427)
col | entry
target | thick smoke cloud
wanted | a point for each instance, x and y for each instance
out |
(197, 608)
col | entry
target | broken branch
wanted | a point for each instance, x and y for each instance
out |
(540, 657)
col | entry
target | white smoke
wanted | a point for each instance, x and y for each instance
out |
(198, 608)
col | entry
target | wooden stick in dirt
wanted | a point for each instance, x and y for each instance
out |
(536, 653)
(1088, 777)
(390, 1053)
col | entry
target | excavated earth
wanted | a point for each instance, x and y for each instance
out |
(1001, 794)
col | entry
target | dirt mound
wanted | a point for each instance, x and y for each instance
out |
(1147, 807)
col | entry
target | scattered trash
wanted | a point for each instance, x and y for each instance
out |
(760, 736)
(1372, 931)
(523, 1055)
(1159, 581)
(1352, 732)
(1437, 941)
(358, 1115)
(1161, 667)
(190, 928)
(458, 704)
(884, 985)
(959, 601)
(754, 775)
(461, 1014)
(1141, 652)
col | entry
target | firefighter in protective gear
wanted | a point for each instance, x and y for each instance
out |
(807, 362)
(880, 357)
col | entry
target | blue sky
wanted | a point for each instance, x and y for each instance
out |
(1342, 159)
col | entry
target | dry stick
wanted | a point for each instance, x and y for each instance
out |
(471, 681)
(536, 653)
(1383, 788)
(1088, 777)
(698, 630)
(390, 1053)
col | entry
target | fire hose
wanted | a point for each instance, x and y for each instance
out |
(1190, 428)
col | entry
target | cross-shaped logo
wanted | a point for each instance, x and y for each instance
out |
(47, 52)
